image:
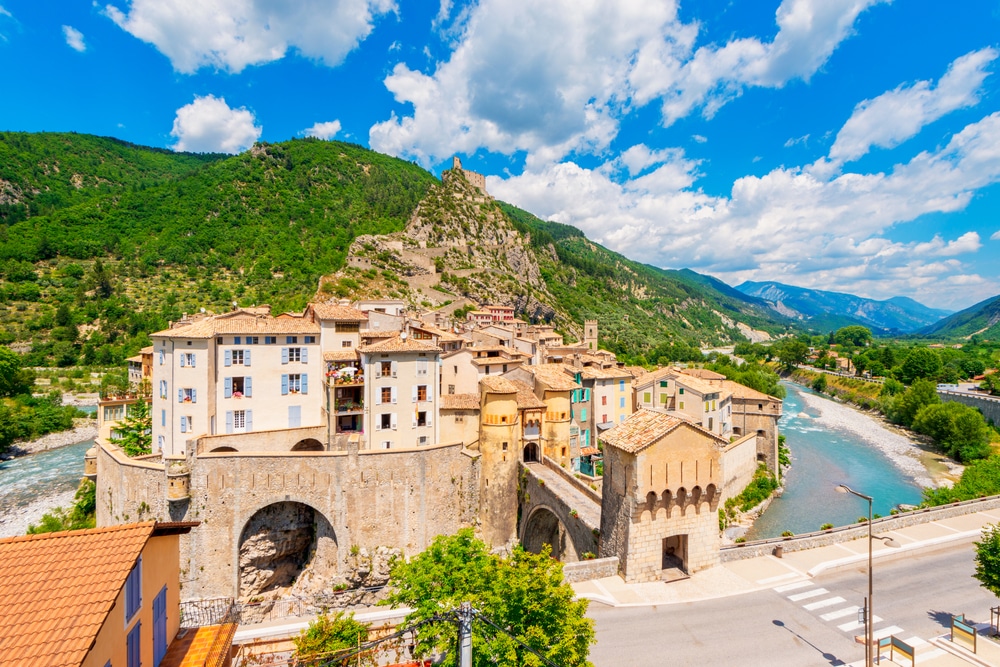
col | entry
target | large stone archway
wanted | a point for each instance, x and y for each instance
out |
(543, 527)
(308, 445)
(278, 543)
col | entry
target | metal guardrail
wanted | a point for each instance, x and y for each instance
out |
(969, 394)
(854, 526)
(217, 611)
(212, 611)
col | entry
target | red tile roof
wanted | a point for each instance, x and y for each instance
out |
(56, 590)
(399, 344)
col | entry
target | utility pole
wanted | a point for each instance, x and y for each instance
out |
(465, 635)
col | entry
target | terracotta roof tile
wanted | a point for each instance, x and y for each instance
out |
(241, 324)
(704, 374)
(399, 344)
(742, 391)
(56, 589)
(460, 402)
(495, 384)
(553, 376)
(343, 354)
(332, 311)
(640, 430)
(526, 399)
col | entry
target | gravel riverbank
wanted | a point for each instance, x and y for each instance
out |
(15, 521)
(84, 429)
(904, 453)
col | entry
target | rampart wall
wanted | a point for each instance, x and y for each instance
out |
(739, 462)
(988, 405)
(395, 498)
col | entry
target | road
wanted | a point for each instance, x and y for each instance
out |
(914, 596)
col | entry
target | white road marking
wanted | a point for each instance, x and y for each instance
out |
(829, 602)
(792, 587)
(808, 594)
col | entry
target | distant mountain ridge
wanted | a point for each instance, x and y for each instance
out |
(983, 318)
(826, 311)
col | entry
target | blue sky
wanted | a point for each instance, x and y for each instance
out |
(850, 145)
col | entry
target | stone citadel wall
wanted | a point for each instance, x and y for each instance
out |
(392, 498)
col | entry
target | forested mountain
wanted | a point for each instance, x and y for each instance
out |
(982, 319)
(102, 242)
(828, 311)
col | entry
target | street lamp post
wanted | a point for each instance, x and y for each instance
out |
(888, 541)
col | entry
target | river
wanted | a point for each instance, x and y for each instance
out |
(823, 457)
(33, 484)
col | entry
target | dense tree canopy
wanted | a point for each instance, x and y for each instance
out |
(523, 593)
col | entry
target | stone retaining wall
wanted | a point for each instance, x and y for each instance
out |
(585, 570)
(988, 405)
(581, 486)
(857, 531)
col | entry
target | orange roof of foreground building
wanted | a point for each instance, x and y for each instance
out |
(56, 589)
(400, 344)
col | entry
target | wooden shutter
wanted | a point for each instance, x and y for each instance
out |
(184, 424)
(284, 385)
(394, 369)
(180, 395)
(304, 383)
(393, 390)
(249, 420)
(193, 359)
(183, 360)
(393, 421)
(228, 358)
(194, 395)
(229, 421)
(227, 391)
(304, 354)
(414, 392)
(246, 357)
(248, 387)
(284, 355)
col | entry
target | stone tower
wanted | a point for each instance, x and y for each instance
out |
(499, 444)
(590, 334)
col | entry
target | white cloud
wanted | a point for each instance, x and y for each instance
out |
(233, 34)
(74, 38)
(208, 125)
(788, 224)
(327, 130)
(699, 138)
(995, 236)
(895, 116)
(804, 139)
(509, 86)
(809, 31)
(5, 14)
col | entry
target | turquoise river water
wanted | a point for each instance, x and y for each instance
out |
(822, 458)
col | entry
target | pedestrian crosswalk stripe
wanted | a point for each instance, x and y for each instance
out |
(840, 613)
(808, 594)
(792, 587)
(829, 602)
(854, 625)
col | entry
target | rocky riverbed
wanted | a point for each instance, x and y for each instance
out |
(83, 429)
(15, 520)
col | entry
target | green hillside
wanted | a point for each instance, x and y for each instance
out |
(102, 242)
(982, 319)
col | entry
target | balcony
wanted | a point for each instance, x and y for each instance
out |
(349, 407)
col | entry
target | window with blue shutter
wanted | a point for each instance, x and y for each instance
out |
(159, 626)
(305, 383)
(246, 357)
(133, 591)
(183, 360)
(184, 424)
(248, 387)
(163, 417)
(229, 421)
(304, 354)
(180, 395)
(228, 360)
(249, 420)
(227, 388)
(236, 340)
(162, 357)
(284, 385)
(284, 355)
(133, 646)
(194, 395)
(621, 402)
(621, 385)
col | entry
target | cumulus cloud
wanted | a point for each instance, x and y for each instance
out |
(995, 236)
(233, 34)
(327, 130)
(509, 86)
(897, 115)
(74, 38)
(209, 125)
(788, 224)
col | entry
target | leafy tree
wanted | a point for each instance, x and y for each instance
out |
(958, 429)
(988, 559)
(136, 430)
(921, 362)
(979, 479)
(102, 280)
(892, 387)
(524, 593)
(853, 336)
(791, 353)
(904, 408)
(819, 384)
(327, 636)
(991, 383)
(14, 380)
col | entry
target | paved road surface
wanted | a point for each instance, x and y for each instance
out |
(804, 623)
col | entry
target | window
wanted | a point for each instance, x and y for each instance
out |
(604, 419)
(133, 646)
(422, 440)
(162, 357)
(236, 340)
(456, 370)
(663, 398)
(237, 357)
(309, 339)
(160, 441)
(505, 446)
(295, 383)
(239, 419)
(187, 359)
(385, 421)
(421, 419)
(422, 392)
(159, 626)
(347, 327)
(186, 424)
(710, 423)
(294, 416)
(385, 368)
(682, 405)
(663, 384)
(760, 406)
(421, 367)
(451, 389)
(621, 402)
(238, 387)
(386, 395)
(163, 417)
(163, 388)
(459, 419)
(133, 591)
(291, 340)
(346, 343)
(604, 400)
(621, 385)
(386, 444)
(254, 340)
(583, 414)
(187, 396)
(270, 340)
(646, 397)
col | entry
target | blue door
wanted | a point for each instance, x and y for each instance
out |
(133, 646)
(159, 626)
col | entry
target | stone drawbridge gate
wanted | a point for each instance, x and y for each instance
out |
(557, 509)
